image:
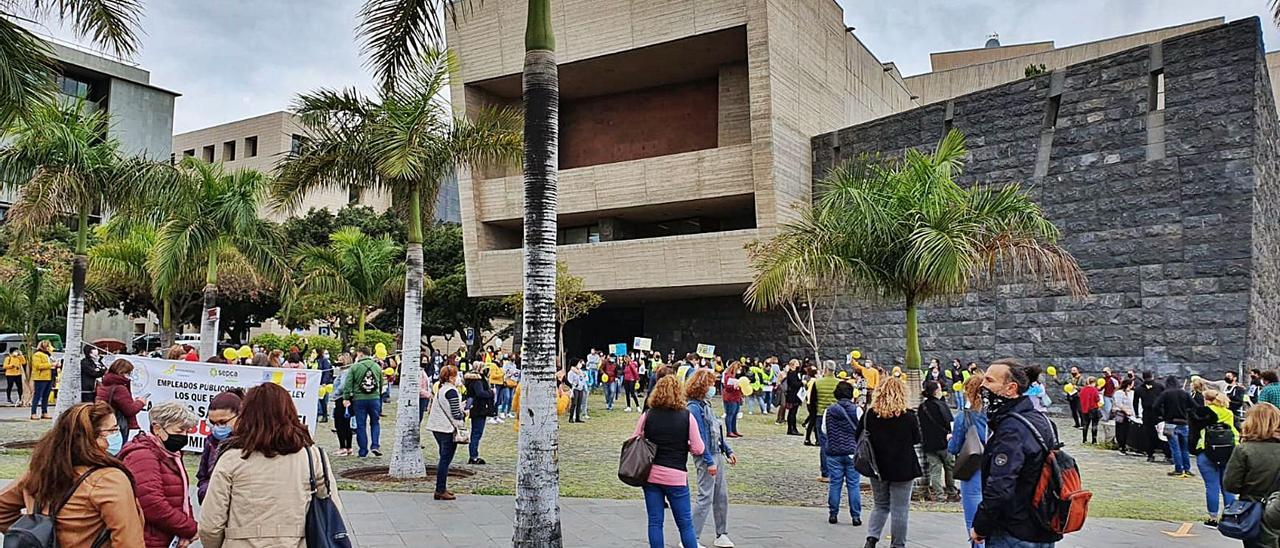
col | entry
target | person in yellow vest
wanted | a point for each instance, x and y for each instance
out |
(42, 376)
(872, 376)
(14, 362)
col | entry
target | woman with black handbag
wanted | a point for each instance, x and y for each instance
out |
(893, 432)
(968, 460)
(260, 483)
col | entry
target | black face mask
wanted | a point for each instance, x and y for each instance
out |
(175, 443)
(995, 403)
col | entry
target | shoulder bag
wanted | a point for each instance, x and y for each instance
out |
(1242, 519)
(969, 460)
(324, 527)
(636, 460)
(864, 461)
(36, 530)
(460, 432)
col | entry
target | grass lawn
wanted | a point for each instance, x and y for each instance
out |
(773, 468)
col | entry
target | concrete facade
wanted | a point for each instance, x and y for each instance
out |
(705, 109)
(1176, 229)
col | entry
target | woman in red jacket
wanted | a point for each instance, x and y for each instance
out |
(155, 460)
(1090, 409)
(630, 376)
(116, 390)
(732, 398)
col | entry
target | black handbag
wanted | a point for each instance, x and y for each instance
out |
(325, 528)
(636, 461)
(969, 460)
(864, 461)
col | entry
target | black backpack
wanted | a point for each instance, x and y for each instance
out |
(1219, 441)
(36, 530)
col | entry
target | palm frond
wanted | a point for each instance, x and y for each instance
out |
(24, 73)
(394, 34)
(111, 23)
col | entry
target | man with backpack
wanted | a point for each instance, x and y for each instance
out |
(362, 391)
(1023, 446)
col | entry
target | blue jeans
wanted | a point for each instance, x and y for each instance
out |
(501, 395)
(422, 408)
(678, 497)
(961, 403)
(1106, 411)
(1178, 447)
(822, 449)
(367, 411)
(477, 431)
(610, 393)
(448, 447)
(970, 498)
(731, 417)
(842, 474)
(322, 407)
(1005, 541)
(41, 396)
(1212, 475)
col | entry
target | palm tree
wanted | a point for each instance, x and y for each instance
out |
(29, 300)
(211, 217)
(358, 270)
(26, 67)
(406, 141)
(125, 256)
(905, 231)
(62, 163)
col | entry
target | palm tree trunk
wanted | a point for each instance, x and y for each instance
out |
(406, 456)
(208, 320)
(360, 319)
(69, 383)
(537, 471)
(913, 337)
(166, 324)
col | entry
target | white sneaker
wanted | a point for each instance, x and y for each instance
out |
(723, 541)
(500, 421)
(739, 414)
(628, 409)
(492, 420)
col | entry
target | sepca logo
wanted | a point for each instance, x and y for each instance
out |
(226, 373)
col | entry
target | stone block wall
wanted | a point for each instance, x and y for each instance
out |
(1175, 224)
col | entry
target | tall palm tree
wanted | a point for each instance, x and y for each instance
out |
(359, 270)
(29, 300)
(26, 67)
(62, 163)
(126, 255)
(212, 217)
(537, 470)
(905, 231)
(405, 141)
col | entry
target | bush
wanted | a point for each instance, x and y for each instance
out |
(321, 342)
(269, 341)
(372, 337)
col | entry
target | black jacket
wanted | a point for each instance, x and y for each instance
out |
(1200, 417)
(1011, 465)
(1173, 406)
(935, 424)
(90, 371)
(893, 440)
(1144, 397)
(480, 394)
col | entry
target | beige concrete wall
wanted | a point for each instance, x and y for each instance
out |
(948, 60)
(275, 136)
(489, 38)
(734, 122)
(1273, 72)
(932, 87)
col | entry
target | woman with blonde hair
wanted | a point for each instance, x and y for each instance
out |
(972, 415)
(893, 431)
(1255, 464)
(1212, 437)
(674, 430)
(42, 378)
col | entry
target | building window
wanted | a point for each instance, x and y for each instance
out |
(208, 153)
(251, 146)
(71, 86)
(1156, 100)
(189, 152)
(579, 235)
(295, 144)
(229, 151)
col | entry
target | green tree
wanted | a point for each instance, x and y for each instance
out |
(211, 218)
(62, 163)
(26, 301)
(405, 141)
(446, 308)
(359, 270)
(26, 66)
(904, 231)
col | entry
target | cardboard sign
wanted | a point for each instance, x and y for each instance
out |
(642, 343)
(707, 350)
(618, 349)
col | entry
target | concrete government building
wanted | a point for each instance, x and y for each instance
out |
(692, 128)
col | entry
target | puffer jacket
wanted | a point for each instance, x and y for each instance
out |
(116, 390)
(161, 487)
(480, 394)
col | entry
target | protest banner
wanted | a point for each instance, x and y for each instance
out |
(618, 349)
(642, 343)
(194, 384)
(707, 350)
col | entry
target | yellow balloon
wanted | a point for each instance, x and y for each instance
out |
(1101, 383)
(245, 352)
(719, 368)
(388, 371)
(857, 393)
(957, 387)
(637, 386)
(1052, 371)
(857, 355)
(230, 354)
(604, 378)
(897, 371)
(1069, 388)
(842, 375)
(746, 388)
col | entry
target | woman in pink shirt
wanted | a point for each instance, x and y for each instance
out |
(669, 425)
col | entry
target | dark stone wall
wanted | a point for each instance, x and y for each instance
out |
(1180, 250)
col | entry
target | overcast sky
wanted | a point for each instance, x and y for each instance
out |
(233, 59)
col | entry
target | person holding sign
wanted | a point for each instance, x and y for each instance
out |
(160, 479)
(362, 392)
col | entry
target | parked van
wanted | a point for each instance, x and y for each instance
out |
(9, 341)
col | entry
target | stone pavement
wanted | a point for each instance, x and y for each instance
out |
(410, 519)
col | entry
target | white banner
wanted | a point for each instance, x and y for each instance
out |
(194, 384)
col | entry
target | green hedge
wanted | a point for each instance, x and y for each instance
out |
(373, 336)
(272, 341)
